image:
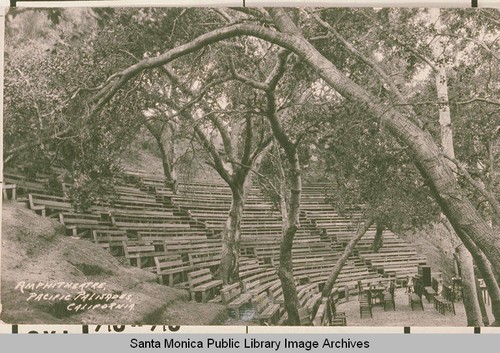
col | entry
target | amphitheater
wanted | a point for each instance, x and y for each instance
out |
(177, 237)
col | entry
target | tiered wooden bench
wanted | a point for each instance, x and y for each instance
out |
(205, 259)
(49, 204)
(24, 184)
(268, 312)
(147, 222)
(140, 254)
(203, 286)
(82, 222)
(233, 297)
(260, 282)
(110, 239)
(171, 270)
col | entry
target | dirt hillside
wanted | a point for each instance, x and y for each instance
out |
(51, 278)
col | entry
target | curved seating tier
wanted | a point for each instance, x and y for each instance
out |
(178, 237)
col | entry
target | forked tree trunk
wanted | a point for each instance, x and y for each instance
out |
(240, 186)
(166, 152)
(291, 223)
(327, 289)
(170, 149)
(484, 267)
(168, 170)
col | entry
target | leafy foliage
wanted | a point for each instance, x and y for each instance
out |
(57, 59)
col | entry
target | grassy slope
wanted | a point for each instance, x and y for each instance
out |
(35, 249)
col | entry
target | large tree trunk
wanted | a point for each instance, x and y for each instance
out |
(492, 286)
(327, 289)
(166, 151)
(285, 270)
(484, 267)
(469, 292)
(471, 303)
(482, 306)
(231, 236)
(378, 241)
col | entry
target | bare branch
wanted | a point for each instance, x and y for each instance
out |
(278, 70)
(247, 149)
(475, 41)
(226, 141)
(251, 82)
(130, 54)
(473, 100)
(259, 175)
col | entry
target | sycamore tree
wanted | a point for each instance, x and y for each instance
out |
(448, 51)
(414, 31)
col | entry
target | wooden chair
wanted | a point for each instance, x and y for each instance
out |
(6, 188)
(442, 305)
(336, 318)
(415, 301)
(388, 297)
(429, 294)
(365, 307)
(388, 300)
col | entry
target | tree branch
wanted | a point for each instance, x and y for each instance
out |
(247, 149)
(477, 42)
(226, 141)
(370, 62)
(259, 175)
(495, 205)
(473, 100)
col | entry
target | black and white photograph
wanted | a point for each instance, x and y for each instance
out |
(251, 166)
